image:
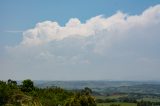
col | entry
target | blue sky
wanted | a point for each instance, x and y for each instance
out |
(122, 44)
(21, 15)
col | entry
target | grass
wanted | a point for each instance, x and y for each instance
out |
(112, 96)
(116, 96)
(150, 99)
(121, 104)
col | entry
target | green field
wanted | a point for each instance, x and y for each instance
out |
(121, 104)
(150, 99)
(112, 96)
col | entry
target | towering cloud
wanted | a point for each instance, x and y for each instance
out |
(104, 43)
(48, 31)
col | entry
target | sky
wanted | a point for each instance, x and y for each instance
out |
(80, 40)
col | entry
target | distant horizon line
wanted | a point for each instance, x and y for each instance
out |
(87, 80)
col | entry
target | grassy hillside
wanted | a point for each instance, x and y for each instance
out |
(121, 104)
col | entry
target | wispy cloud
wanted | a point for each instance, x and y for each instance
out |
(14, 31)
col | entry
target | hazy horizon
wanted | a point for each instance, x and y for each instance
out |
(80, 40)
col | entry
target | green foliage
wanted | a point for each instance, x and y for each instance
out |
(81, 99)
(148, 103)
(115, 104)
(27, 85)
(4, 94)
(86, 91)
(27, 94)
(53, 96)
(7, 89)
(11, 95)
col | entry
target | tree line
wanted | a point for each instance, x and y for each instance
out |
(27, 94)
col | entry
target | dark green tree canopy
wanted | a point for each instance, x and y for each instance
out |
(82, 99)
(27, 85)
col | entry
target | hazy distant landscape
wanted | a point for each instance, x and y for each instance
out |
(79, 93)
(125, 93)
(99, 84)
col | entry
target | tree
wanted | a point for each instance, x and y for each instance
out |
(87, 91)
(12, 83)
(27, 85)
(82, 99)
(3, 93)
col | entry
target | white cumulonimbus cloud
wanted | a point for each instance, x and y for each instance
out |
(120, 42)
(48, 31)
